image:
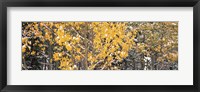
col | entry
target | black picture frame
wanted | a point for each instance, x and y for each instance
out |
(100, 3)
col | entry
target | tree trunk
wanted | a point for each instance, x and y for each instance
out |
(50, 55)
(24, 63)
(153, 60)
(86, 53)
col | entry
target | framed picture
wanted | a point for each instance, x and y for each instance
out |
(74, 45)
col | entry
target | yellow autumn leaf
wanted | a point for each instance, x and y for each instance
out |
(68, 47)
(33, 53)
(24, 48)
(78, 58)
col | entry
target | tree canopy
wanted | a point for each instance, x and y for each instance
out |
(100, 45)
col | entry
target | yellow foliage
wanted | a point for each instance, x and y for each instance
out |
(57, 56)
(78, 57)
(24, 48)
(33, 53)
(68, 47)
(123, 54)
(24, 40)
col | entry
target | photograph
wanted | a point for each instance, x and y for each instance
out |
(99, 45)
(106, 45)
